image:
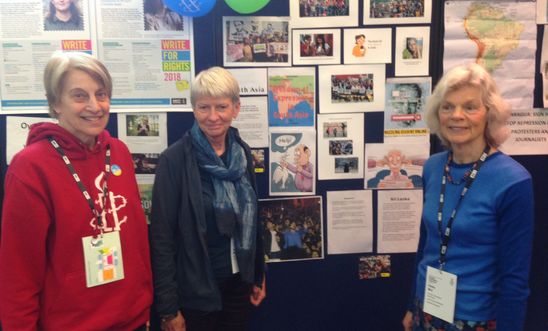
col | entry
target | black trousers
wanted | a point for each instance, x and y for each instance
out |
(233, 317)
(235, 314)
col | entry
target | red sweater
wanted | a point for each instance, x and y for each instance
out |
(45, 216)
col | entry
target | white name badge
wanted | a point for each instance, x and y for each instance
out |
(103, 259)
(440, 294)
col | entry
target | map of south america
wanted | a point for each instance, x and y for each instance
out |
(499, 35)
(495, 35)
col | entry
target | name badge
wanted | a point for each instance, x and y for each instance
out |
(440, 294)
(103, 259)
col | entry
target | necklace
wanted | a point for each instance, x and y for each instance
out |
(450, 178)
(447, 169)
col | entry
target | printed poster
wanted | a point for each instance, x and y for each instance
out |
(29, 34)
(293, 228)
(340, 142)
(151, 60)
(501, 36)
(350, 222)
(395, 166)
(292, 161)
(528, 133)
(405, 109)
(412, 54)
(291, 96)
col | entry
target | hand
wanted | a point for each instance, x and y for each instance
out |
(258, 293)
(407, 321)
(176, 324)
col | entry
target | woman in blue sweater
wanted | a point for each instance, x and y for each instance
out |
(477, 223)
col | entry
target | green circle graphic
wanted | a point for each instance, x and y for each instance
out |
(246, 6)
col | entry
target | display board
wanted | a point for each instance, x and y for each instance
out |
(332, 293)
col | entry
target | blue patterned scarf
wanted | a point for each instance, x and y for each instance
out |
(235, 201)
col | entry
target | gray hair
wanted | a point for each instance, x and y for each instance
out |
(214, 82)
(476, 76)
(61, 63)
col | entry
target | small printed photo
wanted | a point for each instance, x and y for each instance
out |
(346, 165)
(395, 166)
(316, 44)
(256, 41)
(292, 228)
(145, 163)
(158, 17)
(367, 45)
(375, 266)
(340, 147)
(406, 103)
(258, 160)
(142, 125)
(63, 15)
(352, 88)
(335, 130)
(145, 191)
(323, 8)
(396, 8)
(413, 48)
(323, 13)
(359, 49)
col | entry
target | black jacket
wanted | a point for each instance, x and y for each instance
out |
(183, 276)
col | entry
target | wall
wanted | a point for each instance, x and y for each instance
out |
(327, 294)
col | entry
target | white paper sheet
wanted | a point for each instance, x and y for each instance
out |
(17, 131)
(349, 222)
(252, 121)
(398, 221)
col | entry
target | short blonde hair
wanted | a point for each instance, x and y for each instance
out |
(62, 63)
(214, 82)
(476, 76)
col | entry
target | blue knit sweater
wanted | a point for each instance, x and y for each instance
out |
(491, 241)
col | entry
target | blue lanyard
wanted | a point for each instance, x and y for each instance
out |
(446, 235)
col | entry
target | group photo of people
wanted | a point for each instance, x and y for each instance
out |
(335, 129)
(313, 8)
(292, 228)
(316, 45)
(340, 147)
(396, 8)
(374, 266)
(257, 41)
(352, 88)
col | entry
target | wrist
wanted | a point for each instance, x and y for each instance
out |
(168, 317)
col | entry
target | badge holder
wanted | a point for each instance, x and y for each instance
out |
(440, 294)
(103, 258)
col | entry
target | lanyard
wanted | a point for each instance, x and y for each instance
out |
(446, 235)
(81, 186)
